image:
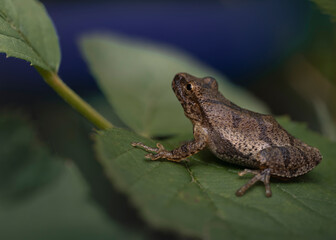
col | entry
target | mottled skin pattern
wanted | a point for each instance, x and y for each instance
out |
(236, 135)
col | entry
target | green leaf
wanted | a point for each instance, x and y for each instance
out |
(328, 7)
(198, 197)
(136, 77)
(60, 207)
(25, 167)
(27, 32)
(62, 211)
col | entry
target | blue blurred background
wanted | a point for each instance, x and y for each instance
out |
(243, 39)
(252, 42)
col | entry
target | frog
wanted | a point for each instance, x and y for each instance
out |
(236, 135)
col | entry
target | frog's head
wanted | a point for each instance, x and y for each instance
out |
(192, 91)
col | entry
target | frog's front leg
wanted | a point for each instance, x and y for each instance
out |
(176, 154)
(180, 153)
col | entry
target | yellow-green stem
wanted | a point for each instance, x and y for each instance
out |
(74, 100)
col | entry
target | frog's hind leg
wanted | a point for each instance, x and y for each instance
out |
(260, 175)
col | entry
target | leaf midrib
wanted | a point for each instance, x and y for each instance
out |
(24, 39)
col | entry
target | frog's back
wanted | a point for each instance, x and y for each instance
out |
(238, 135)
(245, 129)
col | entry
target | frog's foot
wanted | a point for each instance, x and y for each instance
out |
(260, 175)
(160, 151)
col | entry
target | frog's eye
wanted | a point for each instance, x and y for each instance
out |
(189, 86)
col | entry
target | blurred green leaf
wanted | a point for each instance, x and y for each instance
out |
(27, 32)
(62, 211)
(197, 197)
(327, 6)
(25, 167)
(60, 207)
(136, 78)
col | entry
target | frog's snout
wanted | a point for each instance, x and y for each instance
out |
(178, 78)
(177, 81)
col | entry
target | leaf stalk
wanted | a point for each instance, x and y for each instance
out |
(68, 95)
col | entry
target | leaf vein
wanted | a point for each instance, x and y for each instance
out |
(144, 175)
(4, 16)
(207, 191)
(303, 203)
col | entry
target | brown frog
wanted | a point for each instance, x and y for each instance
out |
(236, 135)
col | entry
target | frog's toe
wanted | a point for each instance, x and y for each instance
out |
(260, 175)
(160, 147)
(152, 156)
(145, 147)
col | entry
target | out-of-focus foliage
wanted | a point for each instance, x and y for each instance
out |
(136, 77)
(56, 203)
(316, 89)
(25, 167)
(328, 7)
(318, 68)
(321, 50)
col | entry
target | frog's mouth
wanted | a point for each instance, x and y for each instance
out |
(177, 87)
(180, 96)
